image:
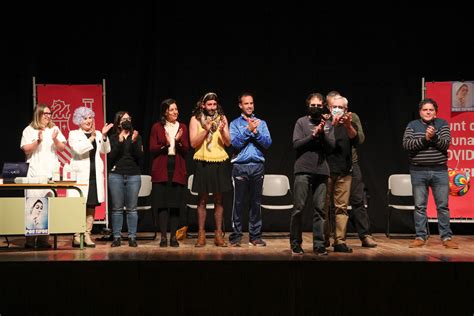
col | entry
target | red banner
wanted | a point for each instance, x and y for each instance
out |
(63, 100)
(461, 150)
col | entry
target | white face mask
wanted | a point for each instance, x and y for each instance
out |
(337, 112)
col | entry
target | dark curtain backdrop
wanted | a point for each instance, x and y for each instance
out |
(149, 52)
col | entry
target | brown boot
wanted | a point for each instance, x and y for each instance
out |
(89, 223)
(218, 239)
(201, 240)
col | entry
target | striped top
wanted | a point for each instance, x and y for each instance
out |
(423, 152)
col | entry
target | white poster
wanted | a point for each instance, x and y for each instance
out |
(36, 216)
(462, 96)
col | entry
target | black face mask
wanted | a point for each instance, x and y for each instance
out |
(126, 125)
(315, 112)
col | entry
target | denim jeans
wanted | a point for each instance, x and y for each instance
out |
(421, 180)
(124, 194)
(248, 181)
(302, 186)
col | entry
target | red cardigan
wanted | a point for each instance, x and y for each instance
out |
(159, 151)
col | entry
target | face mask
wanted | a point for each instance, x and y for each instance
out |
(315, 112)
(126, 125)
(337, 112)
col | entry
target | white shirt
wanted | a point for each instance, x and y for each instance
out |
(43, 160)
(172, 129)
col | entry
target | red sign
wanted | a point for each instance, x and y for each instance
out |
(461, 150)
(63, 100)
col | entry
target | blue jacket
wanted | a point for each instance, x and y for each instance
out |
(248, 146)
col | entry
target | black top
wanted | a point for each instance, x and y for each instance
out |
(127, 157)
(340, 159)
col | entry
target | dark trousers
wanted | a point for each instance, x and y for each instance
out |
(358, 215)
(248, 181)
(318, 186)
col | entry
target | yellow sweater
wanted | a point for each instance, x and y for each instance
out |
(216, 153)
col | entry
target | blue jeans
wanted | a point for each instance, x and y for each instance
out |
(124, 194)
(248, 181)
(318, 186)
(421, 180)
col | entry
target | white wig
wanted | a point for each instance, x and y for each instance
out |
(81, 113)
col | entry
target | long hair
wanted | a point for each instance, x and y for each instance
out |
(197, 112)
(37, 114)
(165, 105)
(117, 128)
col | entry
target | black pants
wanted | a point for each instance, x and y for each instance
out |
(358, 215)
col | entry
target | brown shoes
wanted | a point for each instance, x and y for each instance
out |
(201, 240)
(417, 243)
(450, 244)
(369, 242)
(219, 239)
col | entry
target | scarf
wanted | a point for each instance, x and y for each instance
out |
(215, 121)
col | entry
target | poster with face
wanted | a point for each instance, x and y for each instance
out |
(36, 216)
(462, 96)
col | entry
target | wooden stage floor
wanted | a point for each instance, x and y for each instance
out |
(395, 250)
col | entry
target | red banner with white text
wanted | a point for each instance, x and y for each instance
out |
(63, 100)
(455, 106)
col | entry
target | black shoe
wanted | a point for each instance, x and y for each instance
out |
(320, 251)
(43, 245)
(163, 242)
(132, 242)
(117, 242)
(342, 248)
(174, 242)
(297, 250)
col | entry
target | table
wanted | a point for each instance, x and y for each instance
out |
(67, 215)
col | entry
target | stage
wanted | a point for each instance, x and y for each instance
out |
(390, 279)
(277, 249)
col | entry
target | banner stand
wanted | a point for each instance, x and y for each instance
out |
(63, 99)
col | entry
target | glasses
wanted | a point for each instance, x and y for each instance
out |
(338, 107)
(46, 113)
(320, 105)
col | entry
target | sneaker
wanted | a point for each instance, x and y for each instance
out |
(117, 242)
(132, 242)
(297, 250)
(257, 243)
(369, 242)
(417, 243)
(450, 244)
(342, 248)
(320, 251)
(235, 244)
